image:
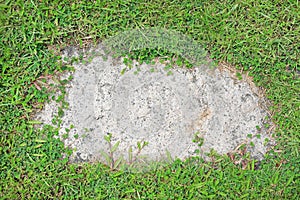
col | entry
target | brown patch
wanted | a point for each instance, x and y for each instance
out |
(203, 116)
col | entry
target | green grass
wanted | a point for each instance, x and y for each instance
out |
(261, 37)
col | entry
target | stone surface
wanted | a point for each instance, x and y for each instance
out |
(165, 107)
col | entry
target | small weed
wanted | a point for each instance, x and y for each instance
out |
(65, 136)
(258, 128)
(267, 126)
(198, 139)
(258, 136)
(266, 141)
(115, 163)
(85, 135)
(109, 157)
(169, 73)
(239, 76)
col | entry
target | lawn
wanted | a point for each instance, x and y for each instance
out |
(257, 37)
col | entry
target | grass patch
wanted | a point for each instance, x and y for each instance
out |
(261, 37)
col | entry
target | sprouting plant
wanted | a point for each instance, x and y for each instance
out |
(266, 141)
(198, 139)
(109, 157)
(114, 163)
(239, 76)
(133, 158)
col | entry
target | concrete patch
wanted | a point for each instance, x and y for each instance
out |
(165, 107)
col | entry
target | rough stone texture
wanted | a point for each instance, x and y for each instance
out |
(165, 107)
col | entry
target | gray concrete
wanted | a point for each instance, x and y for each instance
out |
(163, 107)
